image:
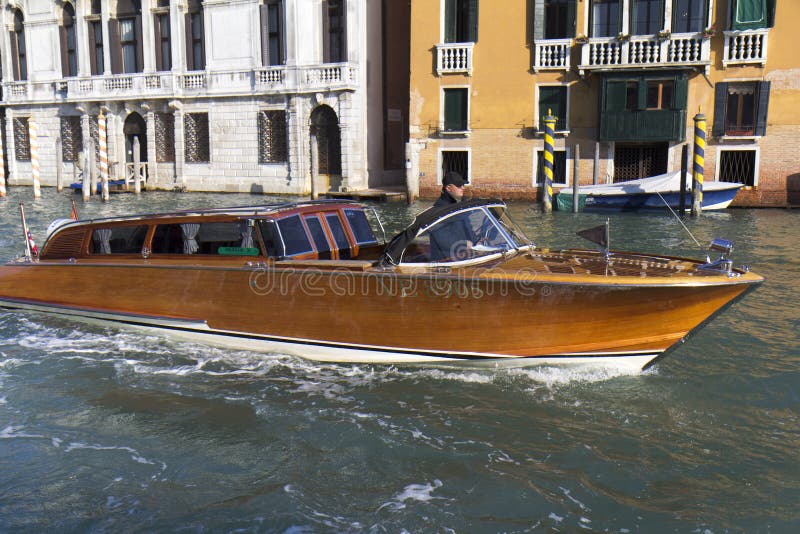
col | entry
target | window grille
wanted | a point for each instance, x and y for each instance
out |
(94, 133)
(22, 139)
(738, 166)
(196, 136)
(165, 137)
(456, 160)
(632, 162)
(272, 136)
(71, 138)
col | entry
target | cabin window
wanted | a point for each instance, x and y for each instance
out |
(295, 239)
(118, 240)
(318, 235)
(360, 226)
(342, 243)
(216, 238)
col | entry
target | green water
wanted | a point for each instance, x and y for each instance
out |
(103, 429)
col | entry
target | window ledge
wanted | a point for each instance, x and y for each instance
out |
(455, 133)
(740, 137)
(558, 133)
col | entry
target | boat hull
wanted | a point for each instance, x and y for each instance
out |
(712, 200)
(375, 317)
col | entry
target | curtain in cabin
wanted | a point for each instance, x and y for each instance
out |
(189, 231)
(102, 239)
(247, 235)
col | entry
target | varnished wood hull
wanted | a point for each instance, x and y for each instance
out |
(362, 315)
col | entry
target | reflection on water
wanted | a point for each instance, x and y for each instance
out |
(109, 429)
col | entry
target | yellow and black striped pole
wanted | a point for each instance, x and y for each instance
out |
(699, 163)
(547, 187)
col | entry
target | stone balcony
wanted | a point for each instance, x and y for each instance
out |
(677, 50)
(552, 54)
(454, 58)
(266, 80)
(745, 47)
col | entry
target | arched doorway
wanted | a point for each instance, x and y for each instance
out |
(325, 128)
(135, 127)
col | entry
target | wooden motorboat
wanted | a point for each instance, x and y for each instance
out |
(653, 193)
(461, 284)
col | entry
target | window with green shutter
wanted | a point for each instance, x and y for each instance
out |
(461, 21)
(553, 99)
(749, 14)
(456, 105)
(554, 19)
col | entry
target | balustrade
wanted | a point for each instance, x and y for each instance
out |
(745, 47)
(552, 54)
(454, 58)
(677, 49)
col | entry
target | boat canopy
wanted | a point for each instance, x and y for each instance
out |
(457, 232)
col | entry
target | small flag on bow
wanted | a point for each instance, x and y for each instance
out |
(34, 249)
(597, 234)
(74, 213)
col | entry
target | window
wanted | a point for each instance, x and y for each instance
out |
(553, 98)
(740, 109)
(689, 16)
(634, 161)
(18, 52)
(163, 42)
(196, 137)
(360, 227)
(738, 167)
(195, 46)
(318, 235)
(69, 59)
(165, 137)
(659, 94)
(456, 110)
(339, 235)
(216, 238)
(557, 19)
(606, 18)
(647, 17)
(334, 36)
(22, 139)
(118, 240)
(272, 136)
(752, 14)
(71, 138)
(461, 21)
(559, 166)
(294, 236)
(455, 160)
(128, 44)
(631, 96)
(96, 46)
(272, 52)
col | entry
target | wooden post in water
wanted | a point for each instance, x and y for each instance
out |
(2, 170)
(137, 166)
(92, 168)
(59, 165)
(596, 170)
(684, 170)
(34, 141)
(86, 186)
(575, 179)
(314, 167)
(699, 163)
(101, 138)
(547, 186)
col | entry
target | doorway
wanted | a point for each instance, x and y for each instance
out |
(325, 128)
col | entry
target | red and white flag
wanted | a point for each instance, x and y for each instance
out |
(34, 248)
(74, 213)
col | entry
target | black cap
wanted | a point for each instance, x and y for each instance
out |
(452, 177)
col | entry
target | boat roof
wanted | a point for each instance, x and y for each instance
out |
(394, 249)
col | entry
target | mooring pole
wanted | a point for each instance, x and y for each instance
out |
(547, 186)
(596, 169)
(59, 165)
(92, 161)
(314, 167)
(137, 166)
(575, 179)
(101, 139)
(684, 170)
(699, 163)
(86, 188)
(34, 140)
(2, 170)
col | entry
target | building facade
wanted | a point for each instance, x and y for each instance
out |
(222, 95)
(624, 79)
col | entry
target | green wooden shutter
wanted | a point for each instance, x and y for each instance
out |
(455, 110)
(450, 21)
(681, 95)
(720, 103)
(763, 106)
(553, 98)
(750, 14)
(538, 19)
(616, 95)
(472, 36)
(571, 18)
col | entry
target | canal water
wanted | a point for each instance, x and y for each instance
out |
(106, 429)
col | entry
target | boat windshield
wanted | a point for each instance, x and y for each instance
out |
(464, 235)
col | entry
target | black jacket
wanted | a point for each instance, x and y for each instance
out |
(444, 200)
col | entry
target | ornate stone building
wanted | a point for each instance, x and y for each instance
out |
(223, 95)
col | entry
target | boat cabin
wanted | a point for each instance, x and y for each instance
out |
(309, 231)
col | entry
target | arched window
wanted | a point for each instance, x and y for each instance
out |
(69, 51)
(19, 56)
